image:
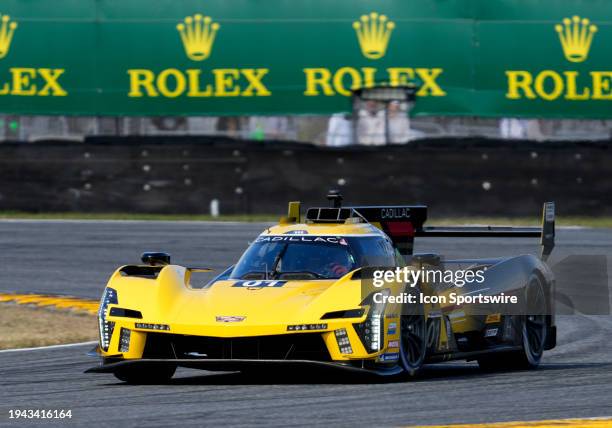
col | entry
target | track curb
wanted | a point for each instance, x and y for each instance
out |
(48, 300)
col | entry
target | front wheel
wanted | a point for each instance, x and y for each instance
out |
(413, 343)
(145, 374)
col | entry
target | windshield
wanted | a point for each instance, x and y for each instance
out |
(311, 257)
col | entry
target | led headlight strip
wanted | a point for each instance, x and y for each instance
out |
(305, 327)
(149, 326)
(371, 330)
(106, 327)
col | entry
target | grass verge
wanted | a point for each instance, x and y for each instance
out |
(583, 221)
(23, 326)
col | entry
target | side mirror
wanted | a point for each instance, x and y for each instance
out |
(155, 259)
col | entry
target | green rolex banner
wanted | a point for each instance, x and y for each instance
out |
(546, 58)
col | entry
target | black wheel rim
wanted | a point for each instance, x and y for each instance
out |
(535, 322)
(413, 341)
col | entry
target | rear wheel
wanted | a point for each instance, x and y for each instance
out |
(413, 342)
(145, 374)
(533, 334)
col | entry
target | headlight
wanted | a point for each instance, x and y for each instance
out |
(371, 330)
(124, 340)
(344, 343)
(106, 327)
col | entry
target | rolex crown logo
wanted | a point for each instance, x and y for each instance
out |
(7, 28)
(576, 35)
(373, 32)
(198, 35)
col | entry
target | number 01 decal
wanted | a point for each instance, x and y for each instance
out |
(259, 284)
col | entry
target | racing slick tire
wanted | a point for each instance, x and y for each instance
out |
(413, 341)
(533, 335)
(145, 374)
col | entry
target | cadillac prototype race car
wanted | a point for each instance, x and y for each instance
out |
(304, 294)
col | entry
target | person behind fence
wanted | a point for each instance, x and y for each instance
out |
(520, 129)
(513, 128)
(371, 124)
(399, 123)
(228, 126)
(339, 130)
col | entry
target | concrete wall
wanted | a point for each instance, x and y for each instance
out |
(183, 174)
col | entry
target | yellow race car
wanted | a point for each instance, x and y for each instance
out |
(340, 288)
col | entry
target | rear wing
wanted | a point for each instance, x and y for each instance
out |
(402, 223)
(546, 232)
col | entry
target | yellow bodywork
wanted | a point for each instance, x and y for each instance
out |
(171, 300)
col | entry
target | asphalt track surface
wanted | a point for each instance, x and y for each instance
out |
(76, 258)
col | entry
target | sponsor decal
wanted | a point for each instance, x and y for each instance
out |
(491, 332)
(321, 81)
(259, 283)
(575, 36)
(389, 357)
(297, 232)
(229, 318)
(400, 212)
(493, 318)
(198, 35)
(22, 80)
(303, 239)
(392, 328)
(7, 29)
(394, 344)
(373, 34)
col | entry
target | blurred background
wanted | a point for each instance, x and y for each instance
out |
(214, 108)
